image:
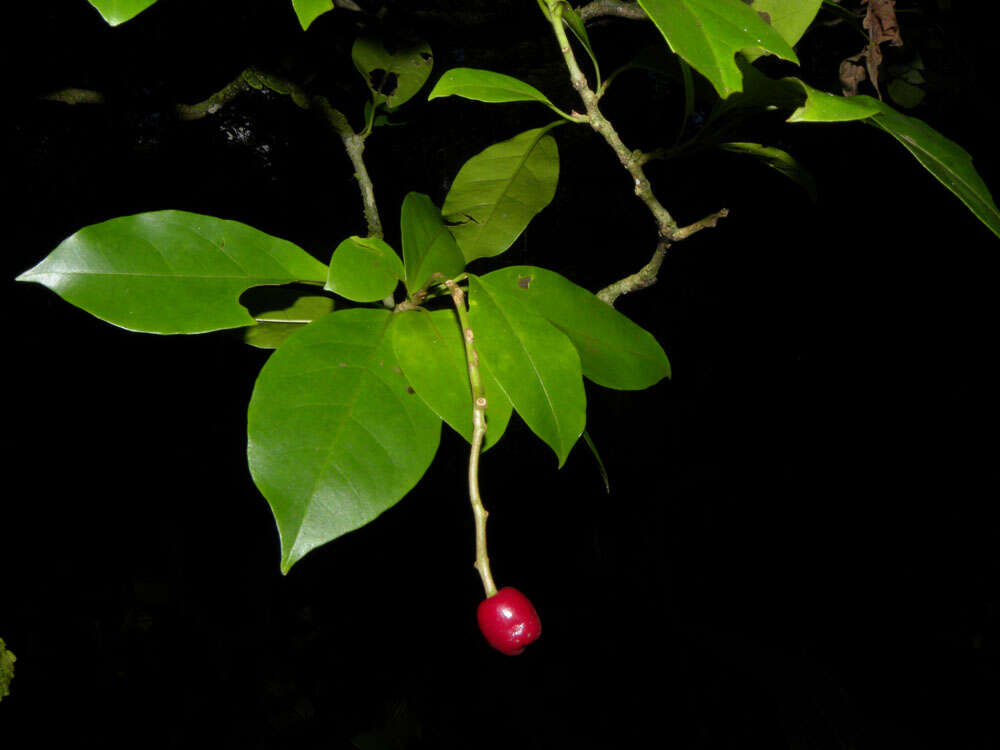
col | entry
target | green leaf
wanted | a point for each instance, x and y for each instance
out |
(394, 69)
(790, 18)
(431, 351)
(428, 246)
(946, 160)
(943, 158)
(778, 160)
(309, 10)
(364, 269)
(597, 457)
(170, 271)
(709, 33)
(614, 351)
(119, 11)
(819, 106)
(487, 86)
(498, 191)
(336, 437)
(760, 92)
(534, 363)
(280, 312)
(7, 660)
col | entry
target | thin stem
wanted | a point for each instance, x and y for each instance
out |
(479, 405)
(665, 222)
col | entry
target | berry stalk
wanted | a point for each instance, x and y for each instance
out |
(479, 405)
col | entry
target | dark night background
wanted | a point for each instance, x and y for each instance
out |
(800, 548)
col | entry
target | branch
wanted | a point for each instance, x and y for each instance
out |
(214, 103)
(632, 161)
(599, 8)
(74, 96)
(354, 144)
(646, 276)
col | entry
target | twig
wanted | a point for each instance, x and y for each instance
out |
(599, 8)
(646, 276)
(215, 102)
(74, 96)
(255, 78)
(354, 144)
(668, 230)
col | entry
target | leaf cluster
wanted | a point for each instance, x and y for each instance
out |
(369, 361)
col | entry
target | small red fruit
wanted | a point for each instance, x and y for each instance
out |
(509, 621)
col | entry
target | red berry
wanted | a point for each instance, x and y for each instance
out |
(508, 621)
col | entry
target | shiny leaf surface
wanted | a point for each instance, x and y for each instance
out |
(336, 437)
(119, 11)
(534, 363)
(430, 349)
(486, 86)
(170, 271)
(946, 160)
(428, 246)
(790, 18)
(614, 351)
(499, 190)
(709, 33)
(364, 269)
(309, 10)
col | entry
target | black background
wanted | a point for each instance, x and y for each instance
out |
(799, 549)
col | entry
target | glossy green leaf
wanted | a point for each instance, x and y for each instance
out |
(790, 18)
(430, 349)
(170, 271)
(394, 70)
(336, 436)
(534, 363)
(280, 312)
(498, 191)
(428, 246)
(778, 160)
(309, 10)
(119, 11)
(946, 160)
(819, 106)
(486, 86)
(761, 91)
(709, 33)
(614, 351)
(364, 269)
(943, 158)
